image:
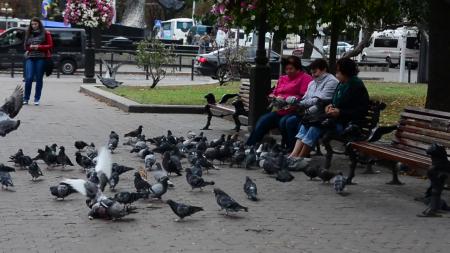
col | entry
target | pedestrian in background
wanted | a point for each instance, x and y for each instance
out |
(38, 45)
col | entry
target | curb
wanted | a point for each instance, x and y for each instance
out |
(131, 106)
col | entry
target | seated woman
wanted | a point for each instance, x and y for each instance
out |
(294, 83)
(350, 103)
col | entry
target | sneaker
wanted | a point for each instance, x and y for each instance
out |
(25, 102)
(36, 103)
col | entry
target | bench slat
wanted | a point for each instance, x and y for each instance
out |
(427, 140)
(428, 112)
(424, 131)
(391, 154)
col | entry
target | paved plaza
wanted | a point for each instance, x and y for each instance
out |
(300, 216)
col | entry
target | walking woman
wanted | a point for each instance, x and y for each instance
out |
(38, 46)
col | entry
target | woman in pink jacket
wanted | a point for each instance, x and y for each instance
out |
(293, 84)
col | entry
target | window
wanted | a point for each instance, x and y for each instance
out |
(412, 43)
(66, 40)
(386, 43)
(14, 37)
(241, 36)
(184, 26)
(166, 26)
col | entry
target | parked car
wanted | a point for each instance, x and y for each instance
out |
(299, 50)
(342, 47)
(69, 44)
(215, 62)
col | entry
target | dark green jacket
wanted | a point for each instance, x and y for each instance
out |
(352, 100)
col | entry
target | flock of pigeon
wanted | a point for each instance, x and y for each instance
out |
(100, 171)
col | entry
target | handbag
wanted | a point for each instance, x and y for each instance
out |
(49, 65)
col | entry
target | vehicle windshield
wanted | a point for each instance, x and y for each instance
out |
(184, 26)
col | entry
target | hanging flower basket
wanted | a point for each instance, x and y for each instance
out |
(89, 13)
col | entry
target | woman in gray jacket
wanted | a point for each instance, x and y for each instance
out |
(320, 92)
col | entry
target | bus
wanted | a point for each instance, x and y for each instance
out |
(176, 29)
(6, 23)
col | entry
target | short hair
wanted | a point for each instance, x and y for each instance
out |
(347, 67)
(294, 61)
(319, 64)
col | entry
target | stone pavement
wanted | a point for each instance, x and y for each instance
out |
(300, 216)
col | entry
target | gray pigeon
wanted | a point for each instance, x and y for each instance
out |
(284, 176)
(339, 183)
(9, 111)
(109, 83)
(91, 151)
(158, 189)
(250, 158)
(34, 171)
(109, 209)
(113, 141)
(238, 157)
(227, 203)
(183, 210)
(62, 190)
(149, 161)
(5, 177)
(250, 189)
(159, 173)
(196, 181)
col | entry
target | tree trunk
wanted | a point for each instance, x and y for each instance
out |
(333, 40)
(308, 48)
(439, 74)
(367, 32)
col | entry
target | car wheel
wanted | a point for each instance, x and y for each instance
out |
(68, 67)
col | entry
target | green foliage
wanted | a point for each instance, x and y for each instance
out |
(154, 56)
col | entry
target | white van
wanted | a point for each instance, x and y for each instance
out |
(176, 29)
(387, 46)
(232, 34)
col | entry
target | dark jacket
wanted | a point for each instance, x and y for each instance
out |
(352, 100)
(46, 46)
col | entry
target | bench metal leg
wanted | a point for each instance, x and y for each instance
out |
(328, 155)
(208, 118)
(237, 122)
(395, 180)
(318, 150)
(369, 167)
(353, 163)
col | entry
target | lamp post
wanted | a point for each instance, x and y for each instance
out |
(89, 59)
(6, 10)
(260, 74)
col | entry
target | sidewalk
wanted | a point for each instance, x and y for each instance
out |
(300, 216)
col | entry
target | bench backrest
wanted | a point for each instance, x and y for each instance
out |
(418, 128)
(244, 92)
(373, 117)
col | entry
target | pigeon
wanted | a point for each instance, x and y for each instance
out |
(15, 158)
(202, 161)
(339, 183)
(284, 176)
(86, 188)
(91, 151)
(201, 145)
(127, 198)
(80, 145)
(134, 133)
(117, 170)
(62, 190)
(53, 148)
(47, 156)
(227, 203)
(23, 161)
(217, 142)
(62, 159)
(270, 165)
(183, 210)
(113, 141)
(171, 164)
(197, 170)
(238, 157)
(140, 145)
(34, 171)
(158, 189)
(9, 111)
(109, 83)
(141, 184)
(144, 152)
(196, 181)
(84, 161)
(250, 158)
(5, 177)
(212, 153)
(326, 175)
(109, 209)
(149, 161)
(159, 173)
(311, 172)
(250, 189)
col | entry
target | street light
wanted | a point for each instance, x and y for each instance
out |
(6, 10)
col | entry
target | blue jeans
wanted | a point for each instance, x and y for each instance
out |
(310, 135)
(272, 120)
(289, 126)
(34, 70)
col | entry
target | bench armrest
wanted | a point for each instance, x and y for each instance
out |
(226, 97)
(378, 132)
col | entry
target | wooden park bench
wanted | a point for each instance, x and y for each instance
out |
(417, 129)
(361, 130)
(238, 108)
